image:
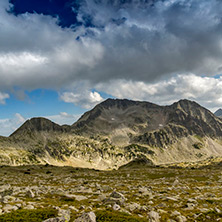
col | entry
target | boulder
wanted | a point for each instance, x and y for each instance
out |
(86, 217)
(153, 216)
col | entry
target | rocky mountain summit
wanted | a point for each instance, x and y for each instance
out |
(218, 113)
(116, 132)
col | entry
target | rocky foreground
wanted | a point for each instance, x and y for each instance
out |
(49, 193)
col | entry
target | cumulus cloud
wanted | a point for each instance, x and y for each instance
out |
(3, 97)
(137, 40)
(205, 90)
(86, 99)
(9, 125)
(34, 49)
(130, 44)
(145, 41)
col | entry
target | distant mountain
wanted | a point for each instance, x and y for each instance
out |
(218, 113)
(35, 125)
(147, 123)
(117, 132)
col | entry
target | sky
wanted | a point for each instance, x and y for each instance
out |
(59, 58)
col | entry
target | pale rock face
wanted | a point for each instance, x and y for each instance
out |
(87, 217)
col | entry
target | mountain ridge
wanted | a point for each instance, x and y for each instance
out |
(116, 132)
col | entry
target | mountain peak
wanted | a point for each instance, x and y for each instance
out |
(38, 124)
(218, 113)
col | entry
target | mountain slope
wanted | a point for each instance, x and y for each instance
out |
(116, 132)
(133, 121)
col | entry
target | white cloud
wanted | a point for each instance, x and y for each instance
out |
(3, 97)
(34, 49)
(129, 40)
(205, 90)
(8, 126)
(130, 47)
(85, 99)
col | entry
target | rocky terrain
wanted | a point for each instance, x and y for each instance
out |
(117, 132)
(134, 194)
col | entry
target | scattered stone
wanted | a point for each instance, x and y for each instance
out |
(153, 216)
(7, 208)
(65, 214)
(175, 213)
(29, 207)
(176, 183)
(87, 217)
(116, 207)
(30, 194)
(181, 218)
(115, 198)
(172, 198)
(73, 208)
(133, 206)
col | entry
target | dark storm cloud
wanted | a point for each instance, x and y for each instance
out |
(138, 41)
(156, 39)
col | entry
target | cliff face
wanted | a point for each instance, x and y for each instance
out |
(116, 132)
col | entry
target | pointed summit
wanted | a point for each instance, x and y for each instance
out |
(39, 124)
(218, 113)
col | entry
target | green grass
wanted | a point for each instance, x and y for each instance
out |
(37, 215)
(114, 216)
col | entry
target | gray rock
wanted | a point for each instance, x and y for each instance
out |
(8, 208)
(133, 206)
(153, 216)
(181, 218)
(87, 217)
(118, 195)
(65, 214)
(29, 207)
(115, 198)
(116, 207)
(175, 213)
(172, 198)
(176, 183)
(73, 208)
(30, 194)
(78, 197)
